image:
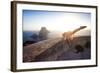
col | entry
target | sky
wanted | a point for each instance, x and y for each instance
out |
(54, 20)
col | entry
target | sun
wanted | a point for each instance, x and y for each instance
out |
(64, 24)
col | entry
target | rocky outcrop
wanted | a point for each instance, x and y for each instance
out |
(33, 50)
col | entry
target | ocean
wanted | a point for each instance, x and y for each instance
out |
(34, 35)
(27, 35)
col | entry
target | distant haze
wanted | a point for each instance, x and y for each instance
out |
(59, 34)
